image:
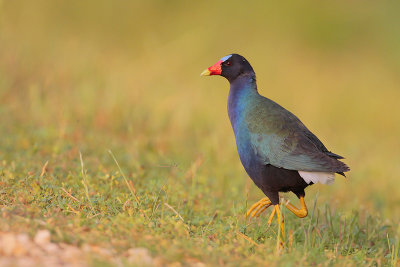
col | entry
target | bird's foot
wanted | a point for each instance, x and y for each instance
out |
(277, 211)
(259, 207)
(262, 205)
(302, 212)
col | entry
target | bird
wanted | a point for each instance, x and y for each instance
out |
(278, 152)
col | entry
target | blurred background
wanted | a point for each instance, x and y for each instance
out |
(124, 75)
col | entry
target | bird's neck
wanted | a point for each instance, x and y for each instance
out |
(242, 89)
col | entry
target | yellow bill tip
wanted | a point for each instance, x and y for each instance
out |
(206, 72)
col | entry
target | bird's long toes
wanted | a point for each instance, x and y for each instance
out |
(261, 207)
(254, 211)
(271, 217)
(253, 214)
(258, 207)
(261, 211)
(255, 205)
(250, 211)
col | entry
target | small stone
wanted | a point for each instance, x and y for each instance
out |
(8, 244)
(86, 248)
(139, 256)
(36, 252)
(26, 262)
(6, 261)
(23, 245)
(23, 239)
(42, 237)
(51, 248)
(70, 252)
(159, 261)
(101, 251)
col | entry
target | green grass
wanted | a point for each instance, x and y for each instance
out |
(139, 148)
(181, 212)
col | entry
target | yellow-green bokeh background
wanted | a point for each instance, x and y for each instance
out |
(126, 74)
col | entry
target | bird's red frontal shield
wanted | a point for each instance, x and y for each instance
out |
(213, 70)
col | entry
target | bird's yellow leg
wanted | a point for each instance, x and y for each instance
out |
(302, 212)
(271, 216)
(259, 207)
(280, 220)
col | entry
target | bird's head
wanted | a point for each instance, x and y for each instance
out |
(230, 67)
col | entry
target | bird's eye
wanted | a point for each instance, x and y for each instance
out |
(228, 63)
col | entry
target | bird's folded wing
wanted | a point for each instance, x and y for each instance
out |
(279, 138)
(294, 151)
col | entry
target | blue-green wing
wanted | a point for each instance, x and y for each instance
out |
(279, 138)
